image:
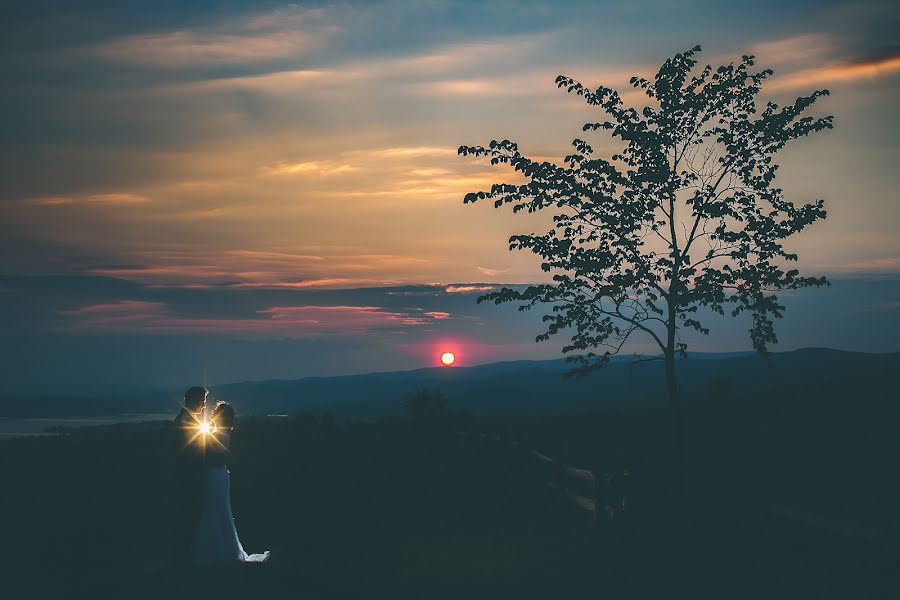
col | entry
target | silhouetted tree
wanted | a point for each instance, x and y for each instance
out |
(426, 404)
(306, 420)
(684, 216)
(720, 387)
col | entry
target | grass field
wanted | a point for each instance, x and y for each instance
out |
(792, 499)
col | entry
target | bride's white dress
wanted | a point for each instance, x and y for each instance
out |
(216, 541)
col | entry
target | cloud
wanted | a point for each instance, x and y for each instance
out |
(188, 273)
(465, 289)
(407, 152)
(50, 201)
(247, 269)
(437, 63)
(316, 167)
(276, 139)
(123, 307)
(118, 199)
(284, 33)
(180, 49)
(879, 265)
(291, 321)
(880, 54)
(876, 67)
(807, 47)
(491, 272)
(438, 315)
(278, 82)
(331, 282)
(269, 255)
(534, 83)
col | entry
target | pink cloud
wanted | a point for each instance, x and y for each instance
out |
(872, 265)
(462, 289)
(438, 315)
(331, 282)
(298, 321)
(121, 307)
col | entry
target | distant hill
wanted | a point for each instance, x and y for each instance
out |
(538, 387)
(504, 388)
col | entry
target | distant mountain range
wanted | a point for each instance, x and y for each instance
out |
(538, 387)
(518, 387)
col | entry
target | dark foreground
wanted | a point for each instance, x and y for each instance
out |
(795, 495)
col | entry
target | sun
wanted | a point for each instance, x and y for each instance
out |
(447, 358)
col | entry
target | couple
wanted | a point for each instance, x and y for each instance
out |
(204, 527)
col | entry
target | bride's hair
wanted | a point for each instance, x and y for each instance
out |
(223, 415)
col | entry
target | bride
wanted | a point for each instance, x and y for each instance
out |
(215, 540)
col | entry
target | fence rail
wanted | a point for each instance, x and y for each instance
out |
(606, 496)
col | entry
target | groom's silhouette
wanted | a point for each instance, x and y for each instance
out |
(190, 488)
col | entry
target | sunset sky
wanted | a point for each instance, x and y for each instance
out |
(272, 190)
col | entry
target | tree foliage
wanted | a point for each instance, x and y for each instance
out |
(685, 216)
(426, 403)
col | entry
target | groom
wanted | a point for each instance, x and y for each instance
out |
(190, 488)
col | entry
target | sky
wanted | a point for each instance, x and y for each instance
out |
(264, 189)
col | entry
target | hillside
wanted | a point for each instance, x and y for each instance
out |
(505, 388)
(538, 387)
(789, 495)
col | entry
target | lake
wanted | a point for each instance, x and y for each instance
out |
(15, 427)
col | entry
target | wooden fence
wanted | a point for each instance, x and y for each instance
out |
(606, 496)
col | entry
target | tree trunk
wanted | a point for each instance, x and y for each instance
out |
(677, 433)
(675, 403)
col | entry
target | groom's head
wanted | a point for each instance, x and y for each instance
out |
(195, 399)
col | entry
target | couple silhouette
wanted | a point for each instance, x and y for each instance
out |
(205, 532)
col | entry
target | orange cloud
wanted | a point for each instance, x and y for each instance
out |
(315, 167)
(794, 49)
(118, 199)
(172, 272)
(273, 269)
(491, 272)
(408, 151)
(528, 83)
(839, 73)
(351, 74)
(110, 199)
(50, 201)
(273, 256)
(114, 198)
